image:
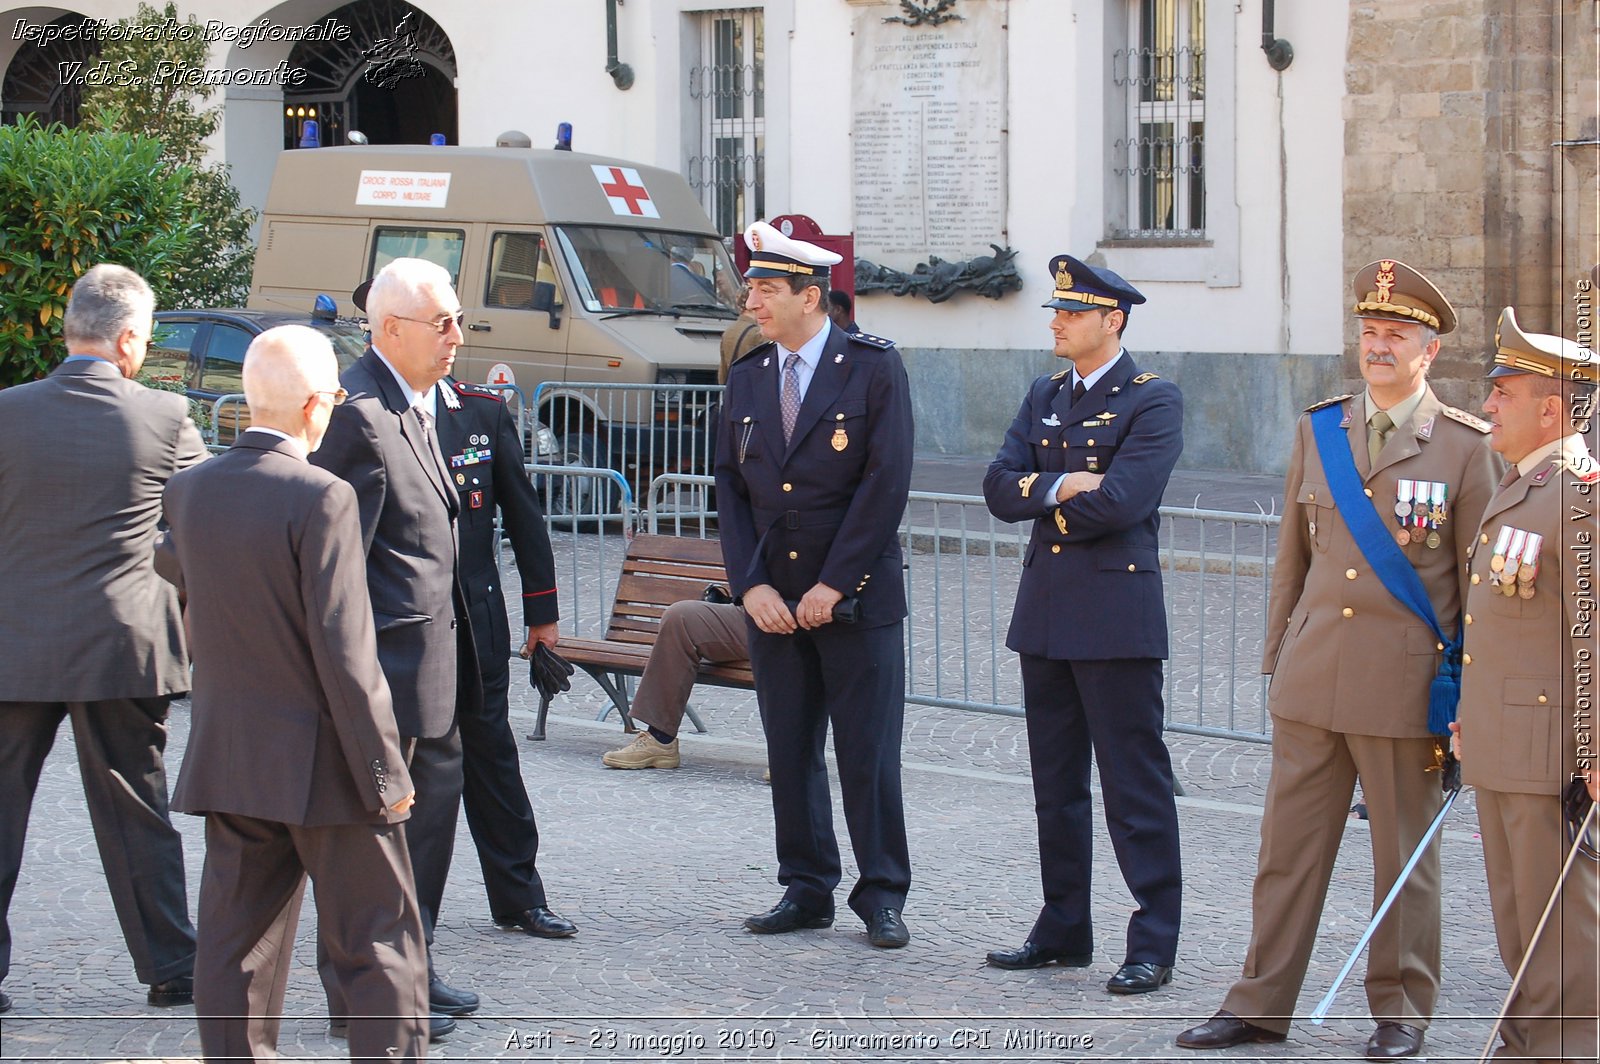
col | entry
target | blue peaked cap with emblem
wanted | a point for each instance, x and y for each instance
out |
(1080, 286)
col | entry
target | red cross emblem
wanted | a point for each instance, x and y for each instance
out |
(625, 191)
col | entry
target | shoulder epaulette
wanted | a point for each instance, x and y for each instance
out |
(765, 345)
(1466, 419)
(479, 391)
(1329, 402)
(1145, 378)
(1058, 376)
(871, 341)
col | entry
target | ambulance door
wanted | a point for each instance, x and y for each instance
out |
(516, 325)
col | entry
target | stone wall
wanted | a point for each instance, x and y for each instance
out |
(1239, 409)
(1453, 111)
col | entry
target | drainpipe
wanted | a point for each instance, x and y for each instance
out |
(1280, 53)
(621, 73)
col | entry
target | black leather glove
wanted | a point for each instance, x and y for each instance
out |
(549, 672)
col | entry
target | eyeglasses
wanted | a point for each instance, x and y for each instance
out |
(440, 325)
(339, 395)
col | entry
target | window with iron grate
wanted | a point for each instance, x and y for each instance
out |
(1161, 154)
(727, 90)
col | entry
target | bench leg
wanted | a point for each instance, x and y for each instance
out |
(694, 718)
(538, 728)
(617, 691)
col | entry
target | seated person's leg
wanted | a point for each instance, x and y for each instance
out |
(691, 631)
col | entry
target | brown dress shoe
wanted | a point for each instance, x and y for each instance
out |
(1393, 1040)
(1225, 1030)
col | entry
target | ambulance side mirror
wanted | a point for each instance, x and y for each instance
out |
(544, 298)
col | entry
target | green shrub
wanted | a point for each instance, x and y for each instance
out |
(70, 199)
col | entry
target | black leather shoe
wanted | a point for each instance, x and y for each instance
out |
(786, 916)
(538, 921)
(1225, 1030)
(172, 993)
(446, 999)
(1139, 978)
(1393, 1040)
(5, 1001)
(886, 930)
(438, 1027)
(1033, 955)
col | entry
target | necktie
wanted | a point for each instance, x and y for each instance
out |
(790, 401)
(426, 422)
(1078, 391)
(1379, 427)
(1510, 478)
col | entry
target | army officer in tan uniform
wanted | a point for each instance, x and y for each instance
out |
(1351, 668)
(1526, 647)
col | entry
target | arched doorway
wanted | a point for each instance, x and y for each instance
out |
(33, 84)
(392, 78)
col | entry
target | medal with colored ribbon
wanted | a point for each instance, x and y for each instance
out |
(1512, 562)
(1530, 565)
(1437, 513)
(1497, 561)
(1404, 493)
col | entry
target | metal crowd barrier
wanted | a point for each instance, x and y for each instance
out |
(234, 404)
(962, 569)
(639, 430)
(517, 399)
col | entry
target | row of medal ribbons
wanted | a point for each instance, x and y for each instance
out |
(1515, 561)
(1420, 507)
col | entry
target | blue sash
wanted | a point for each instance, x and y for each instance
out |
(1378, 546)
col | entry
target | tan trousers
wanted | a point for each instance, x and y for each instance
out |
(1524, 847)
(691, 632)
(1308, 806)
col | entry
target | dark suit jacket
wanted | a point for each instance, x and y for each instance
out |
(292, 719)
(1091, 580)
(407, 529)
(84, 455)
(826, 507)
(481, 448)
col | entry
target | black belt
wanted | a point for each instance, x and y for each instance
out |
(796, 519)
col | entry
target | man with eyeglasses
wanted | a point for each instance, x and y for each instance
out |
(382, 441)
(482, 447)
(90, 631)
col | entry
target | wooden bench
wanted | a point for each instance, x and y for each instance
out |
(656, 572)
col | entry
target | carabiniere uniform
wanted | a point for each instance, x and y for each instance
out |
(482, 451)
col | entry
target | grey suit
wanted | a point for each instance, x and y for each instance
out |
(408, 509)
(293, 755)
(91, 632)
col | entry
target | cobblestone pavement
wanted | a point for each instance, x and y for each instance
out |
(658, 869)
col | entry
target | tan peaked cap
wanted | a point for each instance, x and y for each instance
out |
(1390, 289)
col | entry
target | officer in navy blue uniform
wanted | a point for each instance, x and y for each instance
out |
(483, 450)
(1087, 460)
(813, 470)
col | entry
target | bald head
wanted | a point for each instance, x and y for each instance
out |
(290, 377)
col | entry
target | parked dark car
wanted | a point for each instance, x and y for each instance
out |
(204, 351)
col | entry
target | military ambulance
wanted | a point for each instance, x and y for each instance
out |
(571, 268)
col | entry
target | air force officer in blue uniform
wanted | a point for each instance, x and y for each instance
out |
(813, 469)
(1087, 460)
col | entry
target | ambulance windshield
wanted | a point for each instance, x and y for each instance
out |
(645, 271)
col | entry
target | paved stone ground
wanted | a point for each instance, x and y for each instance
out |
(659, 868)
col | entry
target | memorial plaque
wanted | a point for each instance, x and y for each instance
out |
(928, 140)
